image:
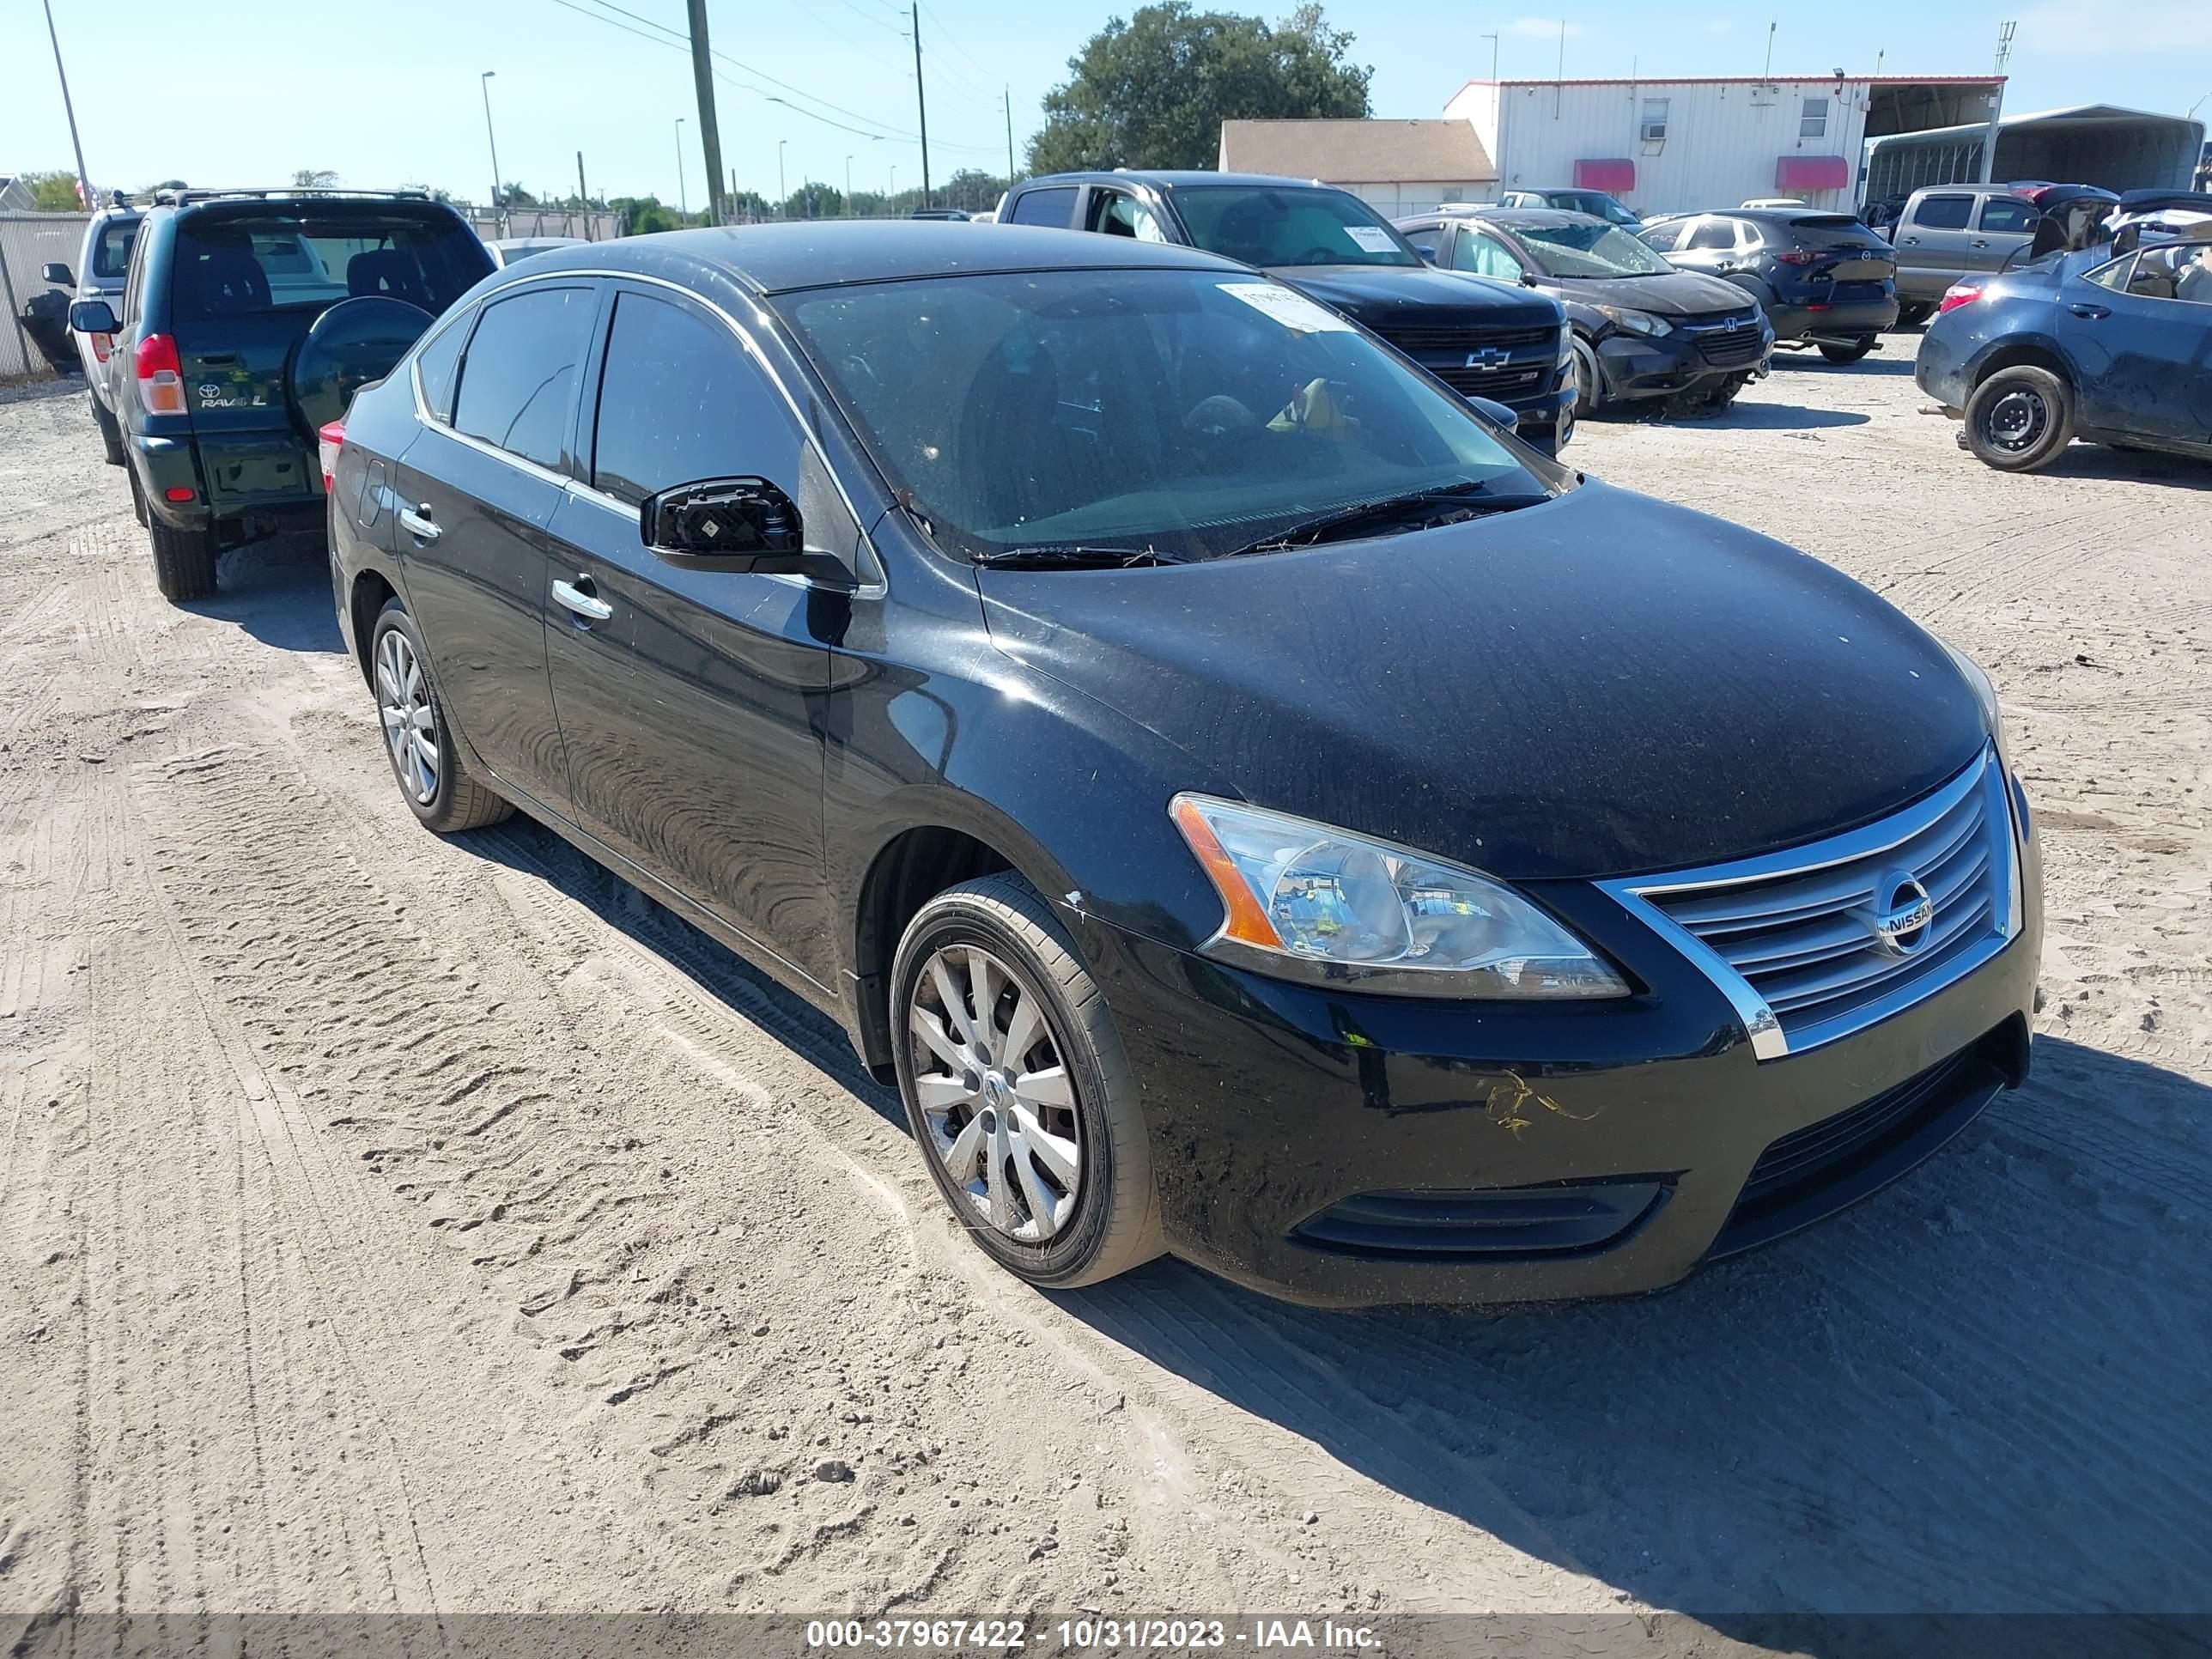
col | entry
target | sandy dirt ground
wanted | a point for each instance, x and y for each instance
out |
(396, 1223)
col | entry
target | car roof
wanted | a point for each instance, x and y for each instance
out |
(1512, 218)
(824, 253)
(1175, 179)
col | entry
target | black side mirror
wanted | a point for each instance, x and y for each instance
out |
(94, 317)
(1491, 410)
(58, 275)
(734, 524)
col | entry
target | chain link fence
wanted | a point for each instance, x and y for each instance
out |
(28, 243)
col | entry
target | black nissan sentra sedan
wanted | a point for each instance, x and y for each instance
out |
(1255, 807)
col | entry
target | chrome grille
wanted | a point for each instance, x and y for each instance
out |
(1796, 939)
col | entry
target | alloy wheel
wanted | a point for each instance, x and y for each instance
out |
(994, 1090)
(2017, 419)
(410, 723)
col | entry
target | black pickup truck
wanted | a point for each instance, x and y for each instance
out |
(249, 319)
(1482, 338)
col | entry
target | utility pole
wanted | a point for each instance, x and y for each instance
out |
(921, 102)
(710, 134)
(1493, 57)
(583, 196)
(1560, 86)
(498, 213)
(848, 187)
(1008, 93)
(734, 208)
(683, 189)
(1997, 101)
(83, 179)
(780, 195)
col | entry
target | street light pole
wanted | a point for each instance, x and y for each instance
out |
(780, 195)
(83, 179)
(848, 187)
(498, 214)
(682, 197)
(1493, 57)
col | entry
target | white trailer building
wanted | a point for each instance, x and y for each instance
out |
(1674, 146)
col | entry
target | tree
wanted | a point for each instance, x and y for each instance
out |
(1153, 92)
(314, 179)
(52, 192)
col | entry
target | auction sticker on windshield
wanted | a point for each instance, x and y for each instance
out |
(1373, 238)
(1291, 310)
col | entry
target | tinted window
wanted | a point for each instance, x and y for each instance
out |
(1713, 233)
(1834, 230)
(2007, 213)
(230, 264)
(435, 364)
(1484, 255)
(679, 403)
(111, 255)
(521, 368)
(1055, 206)
(1289, 225)
(1943, 212)
(1185, 411)
(1425, 239)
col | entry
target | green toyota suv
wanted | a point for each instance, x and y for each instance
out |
(250, 318)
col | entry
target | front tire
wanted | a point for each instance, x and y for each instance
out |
(418, 740)
(183, 562)
(2019, 419)
(1843, 356)
(1590, 382)
(1017, 1090)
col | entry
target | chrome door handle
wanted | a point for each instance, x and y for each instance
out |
(588, 606)
(415, 521)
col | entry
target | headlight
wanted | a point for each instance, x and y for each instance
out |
(1566, 347)
(1637, 322)
(1307, 901)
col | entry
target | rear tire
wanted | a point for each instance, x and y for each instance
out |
(183, 562)
(137, 498)
(418, 742)
(2019, 419)
(110, 435)
(1843, 356)
(1113, 1224)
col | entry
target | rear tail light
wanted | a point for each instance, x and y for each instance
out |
(1795, 256)
(160, 376)
(328, 441)
(1958, 293)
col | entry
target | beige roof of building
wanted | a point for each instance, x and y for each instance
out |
(1357, 152)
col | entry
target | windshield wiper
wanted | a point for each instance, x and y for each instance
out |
(1417, 509)
(1071, 557)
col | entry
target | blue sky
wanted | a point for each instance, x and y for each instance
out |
(224, 91)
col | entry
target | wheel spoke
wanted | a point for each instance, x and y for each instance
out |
(427, 752)
(1023, 1027)
(394, 716)
(414, 679)
(960, 1156)
(1043, 1205)
(1060, 1157)
(1049, 1087)
(388, 683)
(938, 1093)
(956, 1005)
(423, 720)
(983, 997)
(1000, 1153)
(924, 1025)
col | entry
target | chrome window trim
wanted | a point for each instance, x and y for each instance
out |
(1986, 772)
(874, 590)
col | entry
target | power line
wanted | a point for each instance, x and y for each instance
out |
(946, 36)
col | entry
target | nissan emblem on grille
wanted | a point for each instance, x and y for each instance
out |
(1902, 912)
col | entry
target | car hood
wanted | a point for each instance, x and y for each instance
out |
(1600, 685)
(1392, 296)
(1678, 293)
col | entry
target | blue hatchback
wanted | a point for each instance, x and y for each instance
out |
(2117, 350)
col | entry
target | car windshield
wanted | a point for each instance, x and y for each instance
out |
(1270, 225)
(1572, 250)
(1176, 414)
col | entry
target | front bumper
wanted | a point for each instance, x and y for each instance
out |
(1546, 422)
(1638, 365)
(1269, 1104)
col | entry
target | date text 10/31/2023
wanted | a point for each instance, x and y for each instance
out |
(1091, 1634)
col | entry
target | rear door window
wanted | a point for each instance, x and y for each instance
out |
(519, 375)
(1943, 213)
(1712, 234)
(680, 403)
(233, 265)
(2007, 213)
(1055, 206)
